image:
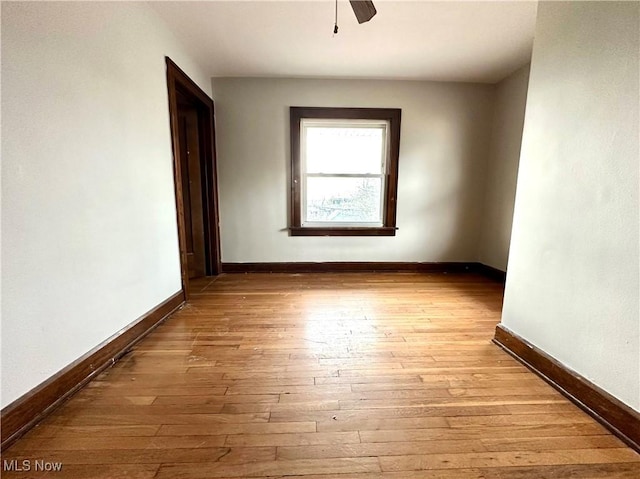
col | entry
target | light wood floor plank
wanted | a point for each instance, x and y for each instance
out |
(272, 468)
(506, 459)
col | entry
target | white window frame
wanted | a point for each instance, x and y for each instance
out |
(306, 123)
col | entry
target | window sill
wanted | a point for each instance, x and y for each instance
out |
(342, 231)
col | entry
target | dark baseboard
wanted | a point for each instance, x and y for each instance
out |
(366, 266)
(492, 273)
(26, 411)
(349, 267)
(616, 416)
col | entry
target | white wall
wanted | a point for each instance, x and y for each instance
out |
(88, 212)
(502, 168)
(444, 143)
(573, 282)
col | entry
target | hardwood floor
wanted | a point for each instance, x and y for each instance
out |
(318, 376)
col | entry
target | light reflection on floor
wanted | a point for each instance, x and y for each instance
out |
(350, 325)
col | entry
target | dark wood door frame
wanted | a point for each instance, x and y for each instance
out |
(177, 80)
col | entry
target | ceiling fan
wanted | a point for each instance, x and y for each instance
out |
(363, 9)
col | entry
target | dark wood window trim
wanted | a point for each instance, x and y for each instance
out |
(393, 116)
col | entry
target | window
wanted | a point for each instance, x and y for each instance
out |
(344, 171)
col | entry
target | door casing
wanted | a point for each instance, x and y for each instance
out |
(178, 80)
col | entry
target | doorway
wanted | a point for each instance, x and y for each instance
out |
(191, 114)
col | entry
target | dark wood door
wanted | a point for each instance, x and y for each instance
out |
(191, 169)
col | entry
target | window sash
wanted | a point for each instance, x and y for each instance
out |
(307, 123)
(347, 223)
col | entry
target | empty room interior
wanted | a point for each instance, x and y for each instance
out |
(320, 239)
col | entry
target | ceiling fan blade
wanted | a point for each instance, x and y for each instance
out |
(363, 9)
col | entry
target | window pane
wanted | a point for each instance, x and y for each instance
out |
(344, 150)
(346, 200)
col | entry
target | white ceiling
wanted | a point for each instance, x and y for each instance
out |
(480, 41)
